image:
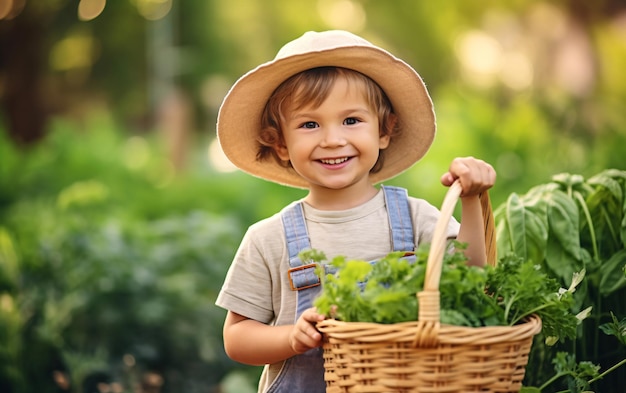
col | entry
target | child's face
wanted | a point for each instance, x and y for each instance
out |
(335, 145)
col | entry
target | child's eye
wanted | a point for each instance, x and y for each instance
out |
(309, 124)
(351, 121)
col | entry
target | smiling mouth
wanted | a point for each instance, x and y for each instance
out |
(334, 161)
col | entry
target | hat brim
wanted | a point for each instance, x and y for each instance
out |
(239, 118)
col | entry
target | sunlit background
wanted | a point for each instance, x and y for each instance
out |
(119, 214)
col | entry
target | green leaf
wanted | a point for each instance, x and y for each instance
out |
(536, 235)
(623, 227)
(612, 277)
(606, 208)
(568, 181)
(536, 193)
(564, 362)
(503, 233)
(615, 328)
(563, 222)
(516, 225)
(520, 230)
(560, 262)
(610, 181)
(563, 252)
(530, 389)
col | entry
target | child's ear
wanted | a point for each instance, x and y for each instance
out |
(384, 141)
(281, 151)
(387, 131)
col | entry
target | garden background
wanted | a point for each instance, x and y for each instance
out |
(119, 216)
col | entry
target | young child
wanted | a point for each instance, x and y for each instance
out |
(336, 115)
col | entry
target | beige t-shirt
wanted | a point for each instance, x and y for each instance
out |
(257, 284)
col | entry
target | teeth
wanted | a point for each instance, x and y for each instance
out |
(335, 161)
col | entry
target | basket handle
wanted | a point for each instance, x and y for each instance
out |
(490, 229)
(438, 244)
(428, 298)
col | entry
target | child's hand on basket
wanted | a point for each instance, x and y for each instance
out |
(475, 175)
(304, 335)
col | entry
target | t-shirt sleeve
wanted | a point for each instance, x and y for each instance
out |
(247, 289)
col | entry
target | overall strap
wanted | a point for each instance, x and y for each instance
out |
(400, 222)
(302, 277)
(296, 233)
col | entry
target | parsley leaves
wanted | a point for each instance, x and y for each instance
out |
(385, 291)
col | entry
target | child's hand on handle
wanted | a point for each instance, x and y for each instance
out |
(475, 175)
(304, 335)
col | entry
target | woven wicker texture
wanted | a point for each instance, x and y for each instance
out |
(425, 356)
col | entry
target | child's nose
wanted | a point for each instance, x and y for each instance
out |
(333, 136)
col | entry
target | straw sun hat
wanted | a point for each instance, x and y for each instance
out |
(239, 118)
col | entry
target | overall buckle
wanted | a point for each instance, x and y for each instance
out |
(303, 277)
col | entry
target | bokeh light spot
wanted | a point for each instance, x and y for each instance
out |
(90, 9)
(479, 52)
(343, 14)
(153, 9)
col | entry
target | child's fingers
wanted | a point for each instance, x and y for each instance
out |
(447, 179)
(305, 336)
(474, 175)
(312, 316)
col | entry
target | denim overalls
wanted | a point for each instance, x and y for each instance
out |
(305, 373)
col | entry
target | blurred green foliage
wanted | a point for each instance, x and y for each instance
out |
(110, 267)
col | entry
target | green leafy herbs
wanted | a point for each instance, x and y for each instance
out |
(523, 288)
(577, 376)
(385, 291)
(360, 291)
(580, 376)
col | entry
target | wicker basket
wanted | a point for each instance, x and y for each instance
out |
(425, 356)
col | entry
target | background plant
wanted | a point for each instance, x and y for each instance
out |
(107, 274)
(569, 224)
